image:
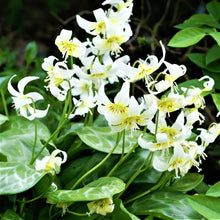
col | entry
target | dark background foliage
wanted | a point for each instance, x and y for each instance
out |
(41, 21)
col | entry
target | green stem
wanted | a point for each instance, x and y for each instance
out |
(35, 130)
(4, 103)
(161, 182)
(78, 214)
(71, 62)
(68, 102)
(156, 128)
(122, 159)
(50, 138)
(140, 170)
(123, 145)
(99, 164)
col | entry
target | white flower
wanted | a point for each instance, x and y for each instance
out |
(51, 163)
(94, 28)
(69, 47)
(147, 67)
(171, 103)
(58, 75)
(120, 106)
(84, 106)
(172, 73)
(194, 95)
(116, 35)
(23, 102)
(101, 206)
(136, 115)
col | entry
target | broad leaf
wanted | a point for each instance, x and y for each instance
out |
(187, 37)
(165, 205)
(214, 190)
(103, 138)
(198, 59)
(10, 215)
(216, 36)
(216, 99)
(17, 177)
(30, 52)
(3, 119)
(213, 54)
(102, 188)
(187, 183)
(207, 206)
(16, 143)
(213, 8)
(198, 20)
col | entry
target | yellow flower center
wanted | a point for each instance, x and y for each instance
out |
(117, 108)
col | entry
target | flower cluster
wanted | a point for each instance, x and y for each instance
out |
(167, 111)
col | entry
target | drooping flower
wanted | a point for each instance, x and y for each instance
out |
(69, 47)
(83, 106)
(147, 67)
(58, 77)
(52, 163)
(194, 95)
(101, 206)
(22, 102)
(116, 34)
(172, 73)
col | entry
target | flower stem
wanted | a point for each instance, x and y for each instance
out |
(49, 139)
(163, 179)
(140, 170)
(4, 103)
(99, 164)
(78, 214)
(122, 159)
(35, 130)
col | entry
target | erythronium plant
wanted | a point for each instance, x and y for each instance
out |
(117, 156)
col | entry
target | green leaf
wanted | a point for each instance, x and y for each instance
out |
(198, 59)
(213, 8)
(3, 119)
(198, 20)
(16, 143)
(4, 81)
(10, 215)
(214, 190)
(187, 37)
(216, 37)
(187, 183)
(102, 188)
(212, 54)
(165, 205)
(205, 205)
(17, 177)
(216, 99)
(103, 138)
(30, 52)
(120, 212)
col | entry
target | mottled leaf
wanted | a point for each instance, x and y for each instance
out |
(17, 177)
(102, 188)
(103, 138)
